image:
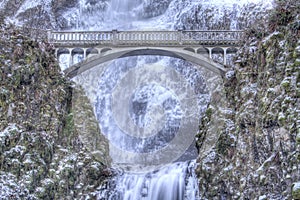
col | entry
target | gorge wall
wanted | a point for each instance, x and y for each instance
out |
(43, 156)
(257, 154)
(44, 152)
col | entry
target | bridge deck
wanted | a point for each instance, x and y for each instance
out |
(144, 38)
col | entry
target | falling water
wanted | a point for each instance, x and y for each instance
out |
(175, 182)
(148, 107)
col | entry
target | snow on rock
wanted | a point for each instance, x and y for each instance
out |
(296, 190)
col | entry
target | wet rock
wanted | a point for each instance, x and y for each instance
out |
(261, 161)
(296, 190)
(41, 153)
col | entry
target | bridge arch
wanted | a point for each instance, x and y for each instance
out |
(61, 51)
(218, 50)
(112, 54)
(203, 51)
(231, 50)
(77, 51)
(105, 50)
(190, 49)
(91, 51)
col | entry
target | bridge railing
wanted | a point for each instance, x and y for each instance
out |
(163, 38)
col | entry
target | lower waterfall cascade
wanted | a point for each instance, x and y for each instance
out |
(176, 181)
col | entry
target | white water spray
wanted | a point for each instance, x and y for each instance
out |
(143, 104)
(149, 108)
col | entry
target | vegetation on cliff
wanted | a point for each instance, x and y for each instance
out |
(42, 155)
(257, 156)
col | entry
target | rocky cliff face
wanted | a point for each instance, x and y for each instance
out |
(256, 116)
(70, 14)
(257, 154)
(42, 155)
(174, 14)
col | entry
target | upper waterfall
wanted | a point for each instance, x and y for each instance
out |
(122, 12)
(149, 107)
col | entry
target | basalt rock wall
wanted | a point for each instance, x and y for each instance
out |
(257, 153)
(46, 128)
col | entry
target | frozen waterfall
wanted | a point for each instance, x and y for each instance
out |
(176, 181)
(149, 107)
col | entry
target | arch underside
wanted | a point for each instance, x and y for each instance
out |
(109, 55)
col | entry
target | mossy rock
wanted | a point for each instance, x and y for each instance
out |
(296, 191)
(298, 138)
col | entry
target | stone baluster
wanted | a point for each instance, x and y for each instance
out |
(106, 37)
(179, 37)
(154, 38)
(125, 37)
(68, 37)
(86, 36)
(174, 38)
(166, 37)
(159, 37)
(90, 37)
(115, 37)
(129, 37)
(121, 36)
(78, 37)
(49, 35)
(95, 37)
(83, 36)
(103, 37)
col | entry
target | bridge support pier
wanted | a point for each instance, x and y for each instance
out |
(225, 55)
(70, 57)
(84, 53)
(210, 52)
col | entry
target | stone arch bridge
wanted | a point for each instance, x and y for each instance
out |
(96, 47)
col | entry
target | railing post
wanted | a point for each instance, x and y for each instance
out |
(49, 35)
(115, 36)
(179, 37)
